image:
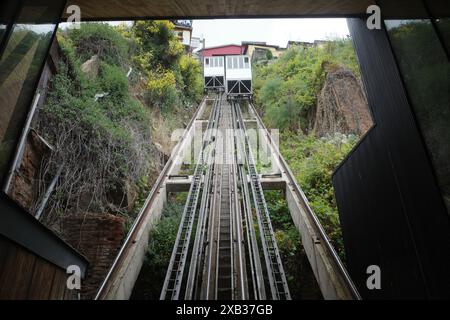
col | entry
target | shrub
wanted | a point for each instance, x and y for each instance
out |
(287, 89)
(158, 44)
(173, 77)
(285, 93)
(99, 143)
(299, 274)
(161, 89)
(113, 81)
(312, 161)
(191, 73)
(99, 39)
(161, 242)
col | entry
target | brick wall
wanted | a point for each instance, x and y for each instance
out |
(24, 186)
(98, 237)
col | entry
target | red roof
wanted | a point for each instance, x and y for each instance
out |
(229, 49)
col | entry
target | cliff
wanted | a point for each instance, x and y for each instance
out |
(341, 106)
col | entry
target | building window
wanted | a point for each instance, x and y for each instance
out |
(229, 63)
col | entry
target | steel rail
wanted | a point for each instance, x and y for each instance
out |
(275, 270)
(207, 278)
(224, 268)
(209, 281)
(197, 251)
(259, 291)
(239, 243)
(174, 276)
(238, 215)
(130, 239)
(316, 223)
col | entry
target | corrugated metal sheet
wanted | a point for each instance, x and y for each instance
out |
(222, 50)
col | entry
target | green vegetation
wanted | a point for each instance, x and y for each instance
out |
(286, 90)
(106, 144)
(161, 240)
(173, 77)
(286, 94)
(312, 161)
(300, 278)
(102, 40)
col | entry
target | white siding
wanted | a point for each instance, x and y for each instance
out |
(213, 66)
(238, 68)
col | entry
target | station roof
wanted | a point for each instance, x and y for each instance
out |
(226, 49)
(141, 9)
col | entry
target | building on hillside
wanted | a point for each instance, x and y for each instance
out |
(320, 43)
(256, 50)
(183, 31)
(197, 43)
(260, 50)
(304, 44)
(223, 50)
(316, 43)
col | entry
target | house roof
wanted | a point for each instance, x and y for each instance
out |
(221, 46)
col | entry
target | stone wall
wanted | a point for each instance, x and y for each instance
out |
(24, 183)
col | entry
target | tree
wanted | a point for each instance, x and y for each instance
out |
(159, 46)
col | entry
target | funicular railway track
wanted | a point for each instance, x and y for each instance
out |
(222, 226)
(277, 278)
(225, 246)
(225, 238)
(175, 271)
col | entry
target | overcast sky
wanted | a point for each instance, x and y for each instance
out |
(273, 31)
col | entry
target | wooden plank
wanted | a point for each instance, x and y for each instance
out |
(42, 280)
(109, 9)
(16, 274)
(5, 251)
(58, 285)
(70, 294)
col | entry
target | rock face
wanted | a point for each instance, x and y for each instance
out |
(341, 106)
(91, 67)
